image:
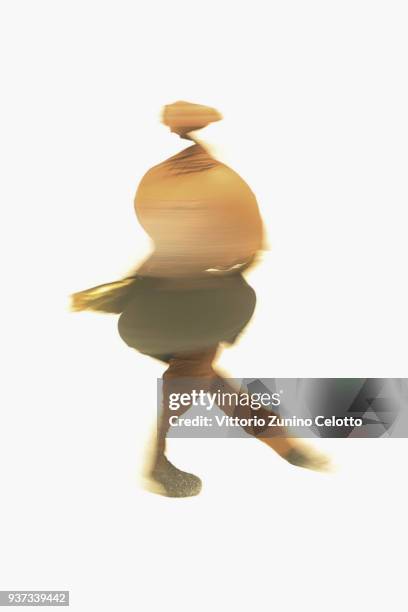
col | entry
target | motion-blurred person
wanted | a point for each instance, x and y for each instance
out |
(189, 296)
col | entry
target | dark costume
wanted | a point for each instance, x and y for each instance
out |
(160, 321)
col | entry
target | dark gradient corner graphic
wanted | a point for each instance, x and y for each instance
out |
(377, 402)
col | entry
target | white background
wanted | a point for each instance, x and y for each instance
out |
(314, 97)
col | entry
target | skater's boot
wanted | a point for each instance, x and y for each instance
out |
(165, 479)
(299, 454)
(308, 458)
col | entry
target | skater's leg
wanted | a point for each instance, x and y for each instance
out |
(193, 365)
(276, 437)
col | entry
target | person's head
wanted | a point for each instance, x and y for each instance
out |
(185, 117)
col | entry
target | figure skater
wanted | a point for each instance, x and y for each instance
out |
(189, 296)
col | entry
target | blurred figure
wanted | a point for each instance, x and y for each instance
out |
(189, 296)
